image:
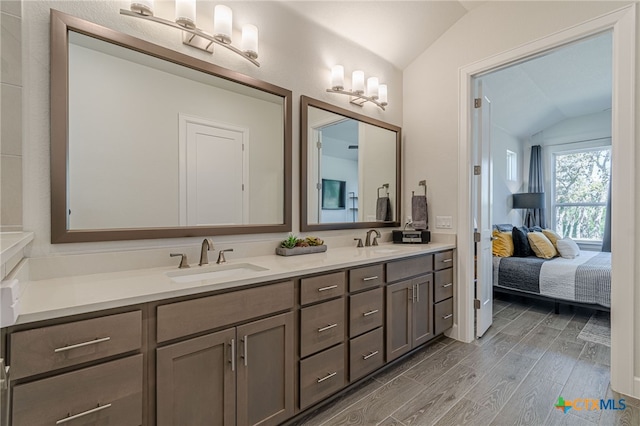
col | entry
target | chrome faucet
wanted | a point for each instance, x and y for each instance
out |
(368, 242)
(207, 244)
(221, 258)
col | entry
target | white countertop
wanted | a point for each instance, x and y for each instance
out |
(58, 297)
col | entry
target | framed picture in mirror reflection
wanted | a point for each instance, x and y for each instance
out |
(333, 194)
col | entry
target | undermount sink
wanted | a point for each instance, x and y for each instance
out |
(212, 272)
(384, 250)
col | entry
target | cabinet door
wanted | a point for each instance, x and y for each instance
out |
(196, 381)
(265, 371)
(422, 309)
(399, 323)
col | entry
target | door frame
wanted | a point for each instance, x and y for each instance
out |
(622, 23)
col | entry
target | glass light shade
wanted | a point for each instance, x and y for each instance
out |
(372, 87)
(337, 77)
(143, 7)
(382, 94)
(250, 40)
(222, 23)
(186, 13)
(357, 82)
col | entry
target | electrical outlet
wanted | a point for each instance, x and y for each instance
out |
(444, 222)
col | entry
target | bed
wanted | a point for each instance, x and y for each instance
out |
(582, 281)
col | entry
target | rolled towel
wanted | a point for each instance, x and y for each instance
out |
(419, 212)
(383, 209)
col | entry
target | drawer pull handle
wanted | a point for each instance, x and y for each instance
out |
(331, 287)
(329, 327)
(374, 353)
(447, 285)
(366, 314)
(79, 345)
(84, 413)
(447, 316)
(375, 277)
(328, 376)
(447, 260)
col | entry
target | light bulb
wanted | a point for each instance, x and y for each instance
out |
(222, 23)
(382, 94)
(143, 7)
(357, 82)
(186, 13)
(337, 77)
(372, 87)
(250, 41)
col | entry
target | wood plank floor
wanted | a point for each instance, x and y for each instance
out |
(511, 376)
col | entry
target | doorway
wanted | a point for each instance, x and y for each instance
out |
(623, 333)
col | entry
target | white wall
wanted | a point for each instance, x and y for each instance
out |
(294, 54)
(431, 91)
(501, 141)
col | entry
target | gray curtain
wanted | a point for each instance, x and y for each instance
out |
(606, 239)
(535, 217)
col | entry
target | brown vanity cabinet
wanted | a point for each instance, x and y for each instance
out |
(242, 375)
(82, 372)
(409, 315)
(443, 291)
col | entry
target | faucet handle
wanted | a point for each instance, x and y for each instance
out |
(359, 240)
(183, 260)
(221, 258)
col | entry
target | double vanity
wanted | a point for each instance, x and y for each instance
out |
(253, 341)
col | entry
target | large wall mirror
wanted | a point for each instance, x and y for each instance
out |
(350, 167)
(149, 143)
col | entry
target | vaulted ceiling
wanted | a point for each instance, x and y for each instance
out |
(528, 97)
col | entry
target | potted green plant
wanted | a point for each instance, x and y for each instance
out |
(292, 246)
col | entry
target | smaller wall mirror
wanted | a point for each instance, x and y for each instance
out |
(350, 169)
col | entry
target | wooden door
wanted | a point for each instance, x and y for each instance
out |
(196, 381)
(265, 377)
(422, 309)
(484, 184)
(399, 323)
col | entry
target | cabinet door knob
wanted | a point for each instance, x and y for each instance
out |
(447, 285)
(233, 355)
(374, 353)
(366, 314)
(80, 345)
(331, 287)
(447, 316)
(375, 277)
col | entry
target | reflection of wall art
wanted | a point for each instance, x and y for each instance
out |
(333, 194)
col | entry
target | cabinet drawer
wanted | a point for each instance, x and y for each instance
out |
(367, 277)
(321, 375)
(50, 348)
(402, 269)
(109, 393)
(366, 311)
(443, 260)
(206, 313)
(443, 285)
(443, 316)
(366, 353)
(321, 326)
(324, 287)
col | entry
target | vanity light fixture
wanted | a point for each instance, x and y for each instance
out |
(375, 92)
(185, 21)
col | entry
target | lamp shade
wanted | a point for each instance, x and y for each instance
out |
(529, 200)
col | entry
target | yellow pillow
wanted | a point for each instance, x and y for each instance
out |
(541, 245)
(502, 244)
(552, 236)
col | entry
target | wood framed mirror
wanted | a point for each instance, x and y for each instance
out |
(147, 142)
(338, 145)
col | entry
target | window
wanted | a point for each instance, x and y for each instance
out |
(512, 166)
(581, 186)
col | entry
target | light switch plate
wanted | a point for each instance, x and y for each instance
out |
(444, 222)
